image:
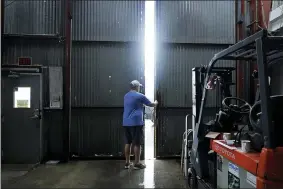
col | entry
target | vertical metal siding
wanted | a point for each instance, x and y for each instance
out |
(52, 121)
(170, 129)
(32, 16)
(276, 74)
(100, 73)
(174, 72)
(276, 79)
(46, 53)
(37, 17)
(102, 70)
(97, 132)
(108, 20)
(196, 21)
(193, 25)
(276, 3)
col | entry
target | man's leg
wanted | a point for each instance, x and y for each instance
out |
(137, 141)
(127, 152)
(128, 141)
(137, 150)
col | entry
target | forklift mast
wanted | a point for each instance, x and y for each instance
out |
(198, 78)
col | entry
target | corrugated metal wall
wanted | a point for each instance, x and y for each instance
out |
(37, 17)
(100, 72)
(174, 72)
(32, 16)
(107, 53)
(43, 52)
(276, 73)
(277, 69)
(97, 132)
(276, 3)
(171, 126)
(196, 21)
(189, 34)
(108, 20)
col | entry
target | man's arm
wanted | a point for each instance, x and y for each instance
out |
(147, 102)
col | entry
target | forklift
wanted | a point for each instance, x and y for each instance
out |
(220, 83)
(216, 162)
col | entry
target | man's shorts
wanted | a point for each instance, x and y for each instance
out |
(134, 135)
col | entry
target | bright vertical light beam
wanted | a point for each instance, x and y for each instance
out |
(149, 63)
(149, 48)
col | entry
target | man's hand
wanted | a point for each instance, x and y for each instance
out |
(155, 102)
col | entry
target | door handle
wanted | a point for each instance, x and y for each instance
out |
(36, 114)
(34, 117)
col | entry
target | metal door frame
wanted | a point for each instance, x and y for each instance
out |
(30, 70)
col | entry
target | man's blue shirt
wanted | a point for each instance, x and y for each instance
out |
(133, 108)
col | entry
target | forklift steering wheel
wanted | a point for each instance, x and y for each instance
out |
(242, 107)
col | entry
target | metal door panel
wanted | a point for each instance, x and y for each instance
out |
(21, 129)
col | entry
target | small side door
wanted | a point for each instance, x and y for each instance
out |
(21, 128)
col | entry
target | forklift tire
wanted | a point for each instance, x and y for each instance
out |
(192, 178)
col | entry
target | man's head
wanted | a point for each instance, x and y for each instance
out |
(135, 85)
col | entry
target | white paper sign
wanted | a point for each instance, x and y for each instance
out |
(251, 179)
(234, 169)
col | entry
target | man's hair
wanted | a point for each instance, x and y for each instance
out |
(133, 87)
(135, 84)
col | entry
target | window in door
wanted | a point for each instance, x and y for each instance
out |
(22, 97)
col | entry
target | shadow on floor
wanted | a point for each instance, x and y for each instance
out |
(13, 171)
(100, 174)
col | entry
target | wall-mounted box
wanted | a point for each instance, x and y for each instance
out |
(55, 75)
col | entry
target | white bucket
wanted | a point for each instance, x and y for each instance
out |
(246, 146)
(227, 136)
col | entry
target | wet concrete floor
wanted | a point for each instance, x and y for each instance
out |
(100, 174)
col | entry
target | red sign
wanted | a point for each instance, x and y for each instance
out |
(24, 61)
(224, 151)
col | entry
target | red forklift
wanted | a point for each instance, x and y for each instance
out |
(243, 146)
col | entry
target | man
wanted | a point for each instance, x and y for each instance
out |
(133, 122)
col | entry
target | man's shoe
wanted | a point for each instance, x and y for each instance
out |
(139, 166)
(128, 165)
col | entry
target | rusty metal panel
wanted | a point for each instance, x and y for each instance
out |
(174, 72)
(46, 53)
(101, 73)
(32, 16)
(108, 20)
(196, 21)
(97, 132)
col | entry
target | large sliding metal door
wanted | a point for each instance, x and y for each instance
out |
(107, 54)
(189, 33)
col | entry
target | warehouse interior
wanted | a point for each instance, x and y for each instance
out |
(67, 64)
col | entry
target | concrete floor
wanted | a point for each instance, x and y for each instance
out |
(98, 174)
